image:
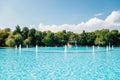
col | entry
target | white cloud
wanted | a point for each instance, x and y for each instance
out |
(114, 16)
(90, 25)
(99, 14)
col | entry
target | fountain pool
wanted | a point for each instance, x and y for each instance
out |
(52, 63)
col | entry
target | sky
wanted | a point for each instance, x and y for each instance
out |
(58, 15)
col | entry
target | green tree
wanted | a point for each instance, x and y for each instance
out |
(18, 39)
(90, 38)
(83, 38)
(114, 37)
(7, 29)
(25, 31)
(31, 34)
(27, 42)
(61, 38)
(10, 42)
(49, 39)
(17, 30)
(38, 37)
(102, 37)
(3, 36)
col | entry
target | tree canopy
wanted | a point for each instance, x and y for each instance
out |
(31, 37)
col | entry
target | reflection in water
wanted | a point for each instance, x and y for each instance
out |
(36, 55)
(65, 55)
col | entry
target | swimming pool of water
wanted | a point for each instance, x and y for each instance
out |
(52, 63)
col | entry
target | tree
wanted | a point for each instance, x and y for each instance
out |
(27, 42)
(102, 37)
(90, 38)
(83, 39)
(7, 29)
(3, 36)
(31, 34)
(49, 39)
(17, 30)
(61, 38)
(25, 32)
(38, 37)
(114, 37)
(10, 42)
(18, 39)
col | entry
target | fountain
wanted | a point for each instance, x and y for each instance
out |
(75, 44)
(107, 49)
(20, 47)
(109, 46)
(16, 47)
(65, 50)
(93, 49)
(36, 48)
(86, 46)
(112, 46)
(26, 46)
(98, 47)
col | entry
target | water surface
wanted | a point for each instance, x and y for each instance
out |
(52, 63)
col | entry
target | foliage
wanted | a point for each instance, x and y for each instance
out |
(25, 32)
(18, 39)
(17, 30)
(10, 42)
(32, 37)
(26, 42)
(3, 36)
(48, 40)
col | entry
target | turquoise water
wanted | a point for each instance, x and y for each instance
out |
(52, 63)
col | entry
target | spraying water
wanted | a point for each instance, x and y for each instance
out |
(98, 47)
(75, 44)
(16, 47)
(36, 48)
(112, 46)
(86, 47)
(107, 49)
(20, 47)
(109, 46)
(93, 49)
(65, 49)
(26, 46)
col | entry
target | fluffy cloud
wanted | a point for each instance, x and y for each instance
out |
(113, 17)
(91, 25)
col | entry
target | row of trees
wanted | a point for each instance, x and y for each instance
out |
(32, 37)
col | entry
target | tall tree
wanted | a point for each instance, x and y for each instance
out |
(25, 32)
(18, 39)
(27, 42)
(17, 30)
(102, 37)
(10, 42)
(49, 39)
(38, 36)
(83, 38)
(31, 34)
(3, 36)
(61, 38)
(90, 38)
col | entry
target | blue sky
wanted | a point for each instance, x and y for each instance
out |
(49, 12)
